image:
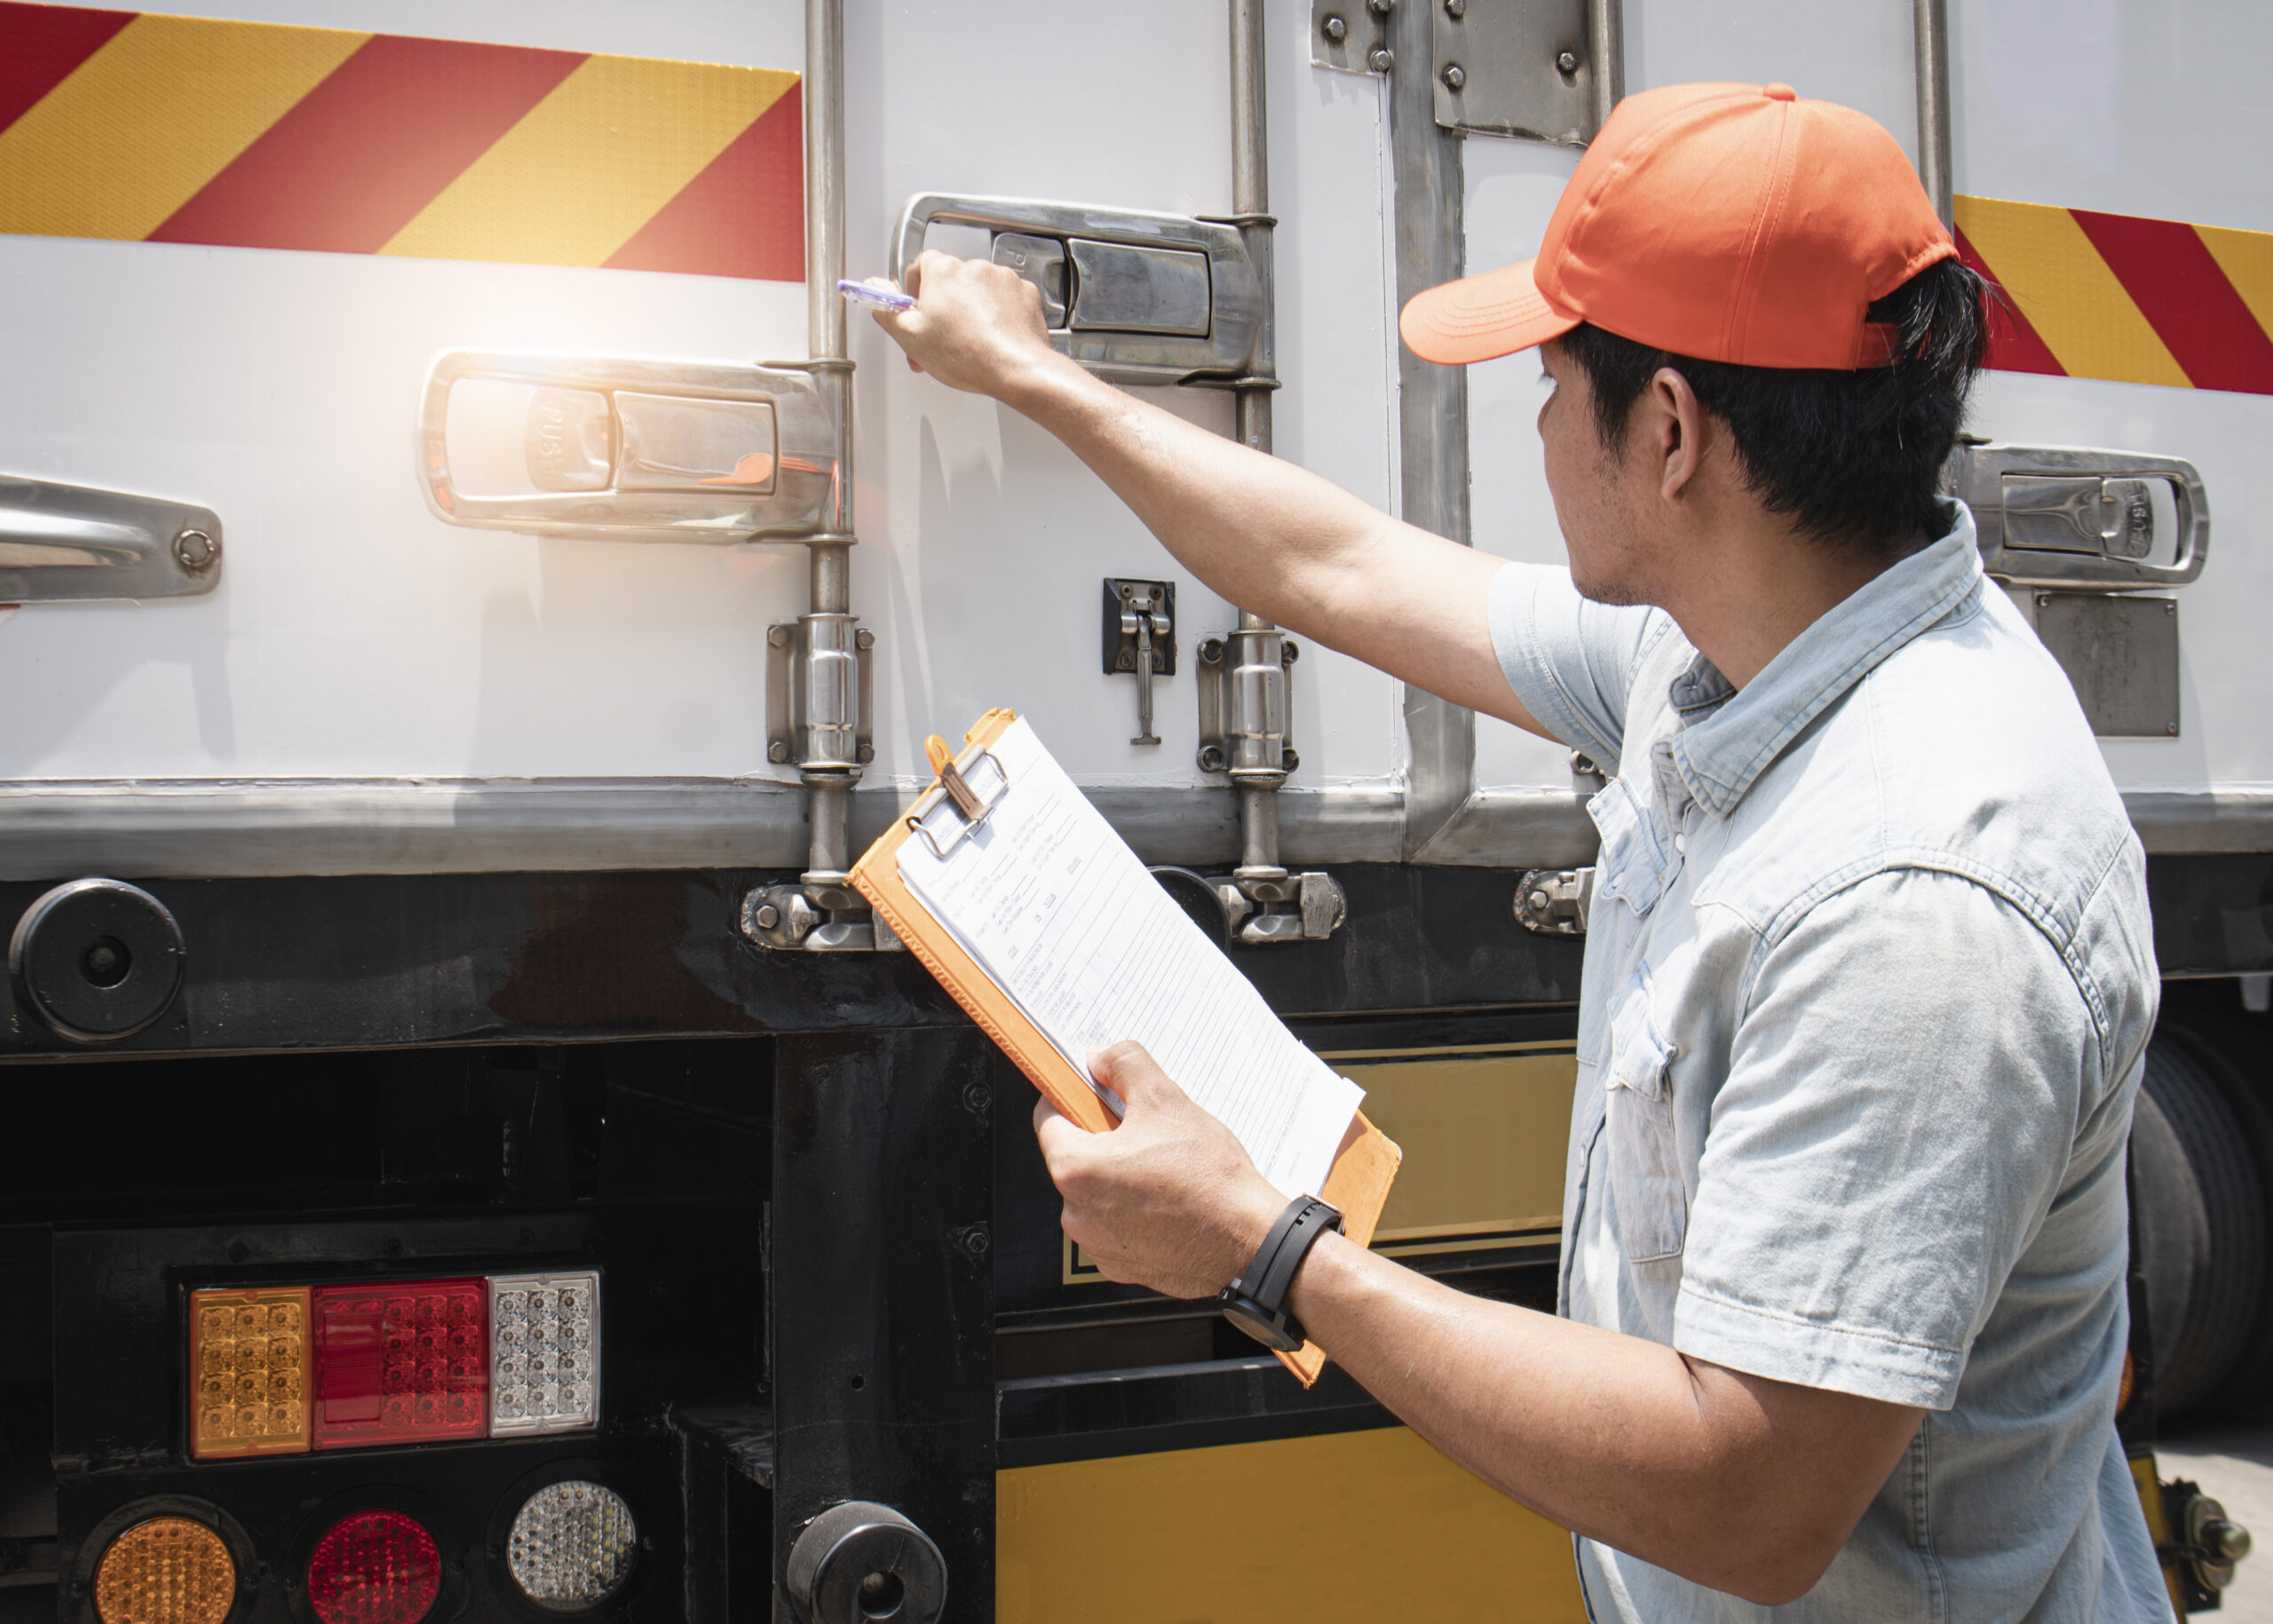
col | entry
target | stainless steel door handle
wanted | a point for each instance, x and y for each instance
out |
(1134, 296)
(61, 542)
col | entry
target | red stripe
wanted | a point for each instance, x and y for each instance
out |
(370, 147)
(2014, 345)
(2169, 274)
(743, 216)
(41, 44)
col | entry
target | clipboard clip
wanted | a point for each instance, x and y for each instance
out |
(970, 787)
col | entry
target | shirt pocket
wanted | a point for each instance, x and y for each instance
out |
(1645, 1181)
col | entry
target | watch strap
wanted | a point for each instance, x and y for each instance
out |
(1271, 1274)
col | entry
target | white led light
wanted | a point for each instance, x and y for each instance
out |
(544, 1353)
(572, 1545)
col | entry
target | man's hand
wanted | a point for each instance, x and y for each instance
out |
(980, 327)
(1169, 1199)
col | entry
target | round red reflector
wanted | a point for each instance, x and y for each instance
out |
(374, 1567)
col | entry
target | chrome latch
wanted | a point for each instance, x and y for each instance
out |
(820, 693)
(62, 544)
(1245, 682)
(1554, 901)
(608, 450)
(2068, 515)
(1135, 298)
(1139, 627)
(808, 918)
(1245, 697)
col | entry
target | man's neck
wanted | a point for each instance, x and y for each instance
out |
(1763, 586)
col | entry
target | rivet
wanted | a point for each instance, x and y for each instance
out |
(865, 639)
(778, 753)
(1335, 29)
(1568, 62)
(1454, 76)
(2171, 728)
(193, 549)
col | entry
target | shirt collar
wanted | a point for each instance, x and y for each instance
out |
(1728, 737)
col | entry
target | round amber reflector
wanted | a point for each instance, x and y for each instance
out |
(171, 1570)
(374, 1567)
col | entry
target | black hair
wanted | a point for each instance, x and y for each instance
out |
(1848, 456)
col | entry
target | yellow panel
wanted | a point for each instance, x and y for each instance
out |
(591, 163)
(2247, 258)
(1351, 1528)
(147, 120)
(1484, 1139)
(2055, 278)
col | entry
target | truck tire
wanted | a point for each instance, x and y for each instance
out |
(2198, 1218)
(2237, 1052)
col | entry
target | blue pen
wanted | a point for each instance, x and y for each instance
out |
(882, 298)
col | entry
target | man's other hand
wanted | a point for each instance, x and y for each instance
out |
(1169, 1199)
(978, 327)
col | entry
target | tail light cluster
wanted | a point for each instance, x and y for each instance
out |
(281, 1370)
(571, 1550)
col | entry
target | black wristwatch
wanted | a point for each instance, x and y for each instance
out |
(1256, 1302)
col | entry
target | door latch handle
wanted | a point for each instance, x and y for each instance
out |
(64, 543)
(1136, 297)
(1140, 637)
(2073, 515)
(609, 450)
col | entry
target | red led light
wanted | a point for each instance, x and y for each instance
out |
(399, 1362)
(374, 1567)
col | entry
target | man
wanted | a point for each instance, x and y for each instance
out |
(1869, 978)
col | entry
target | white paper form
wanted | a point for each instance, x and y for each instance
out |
(1055, 907)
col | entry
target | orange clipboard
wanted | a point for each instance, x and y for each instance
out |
(1357, 1183)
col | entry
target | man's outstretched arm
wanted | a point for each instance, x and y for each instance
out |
(1265, 534)
(1744, 1484)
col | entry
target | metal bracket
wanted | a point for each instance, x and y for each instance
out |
(814, 919)
(1282, 907)
(609, 450)
(1246, 683)
(1139, 631)
(820, 693)
(1554, 901)
(69, 543)
(1515, 70)
(2072, 516)
(1351, 36)
(1135, 298)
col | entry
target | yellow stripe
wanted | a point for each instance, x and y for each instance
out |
(2247, 258)
(142, 124)
(2055, 278)
(1350, 1528)
(592, 162)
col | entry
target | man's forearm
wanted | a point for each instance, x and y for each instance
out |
(1683, 1464)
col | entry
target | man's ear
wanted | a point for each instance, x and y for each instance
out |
(1676, 426)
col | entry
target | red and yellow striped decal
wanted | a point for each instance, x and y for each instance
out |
(150, 128)
(2112, 295)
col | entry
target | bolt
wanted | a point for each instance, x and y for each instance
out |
(975, 1241)
(2171, 728)
(1455, 8)
(1335, 29)
(1381, 60)
(1211, 759)
(766, 916)
(1289, 652)
(193, 549)
(1380, 8)
(778, 635)
(1289, 760)
(1454, 76)
(2170, 605)
(778, 752)
(1127, 661)
(1568, 62)
(866, 754)
(1211, 652)
(978, 1098)
(865, 639)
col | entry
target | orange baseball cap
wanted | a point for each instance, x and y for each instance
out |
(1728, 222)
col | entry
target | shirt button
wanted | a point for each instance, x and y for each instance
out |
(1680, 846)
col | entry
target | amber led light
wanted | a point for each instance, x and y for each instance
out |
(249, 1369)
(171, 1570)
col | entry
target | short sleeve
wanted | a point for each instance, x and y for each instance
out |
(1901, 1109)
(1569, 661)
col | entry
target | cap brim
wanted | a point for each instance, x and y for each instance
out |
(1478, 318)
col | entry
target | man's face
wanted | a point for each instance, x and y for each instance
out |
(1593, 489)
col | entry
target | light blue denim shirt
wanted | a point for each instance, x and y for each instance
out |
(1869, 978)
